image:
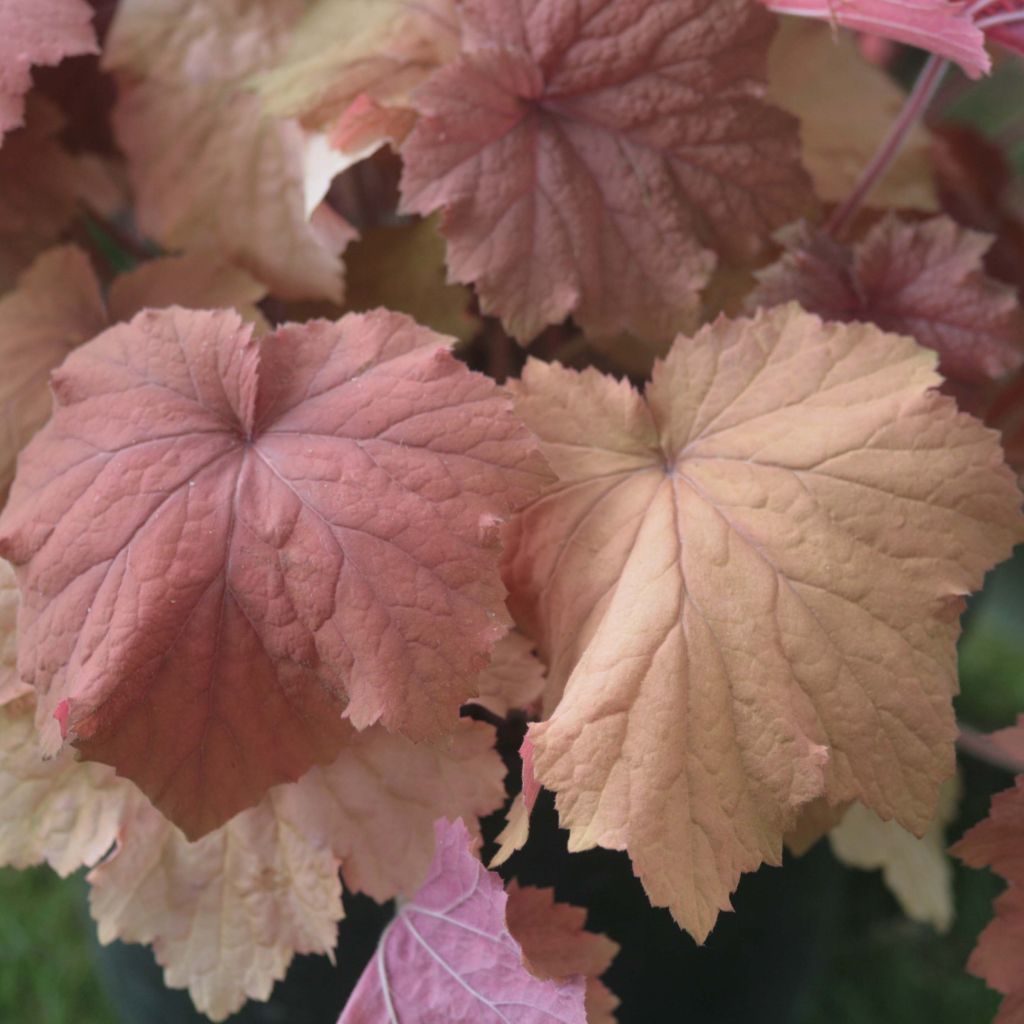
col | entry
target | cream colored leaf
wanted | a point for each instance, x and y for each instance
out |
(917, 871)
(513, 679)
(748, 586)
(11, 686)
(845, 107)
(210, 168)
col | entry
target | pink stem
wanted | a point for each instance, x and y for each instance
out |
(978, 745)
(913, 110)
(1007, 18)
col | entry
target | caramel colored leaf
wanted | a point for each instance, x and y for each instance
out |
(401, 267)
(936, 25)
(747, 584)
(54, 810)
(37, 32)
(448, 955)
(917, 871)
(226, 547)
(56, 306)
(344, 49)
(846, 107)
(513, 679)
(588, 156)
(556, 944)
(926, 280)
(210, 169)
(225, 915)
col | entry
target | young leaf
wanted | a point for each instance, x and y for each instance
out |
(34, 32)
(587, 162)
(998, 843)
(925, 279)
(448, 955)
(208, 166)
(748, 586)
(937, 25)
(557, 945)
(226, 546)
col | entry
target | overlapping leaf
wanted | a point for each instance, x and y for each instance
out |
(37, 32)
(925, 279)
(448, 955)
(224, 547)
(588, 157)
(748, 586)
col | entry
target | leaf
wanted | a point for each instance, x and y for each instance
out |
(56, 306)
(55, 810)
(936, 25)
(997, 842)
(39, 183)
(925, 279)
(588, 177)
(846, 107)
(448, 955)
(748, 585)
(226, 915)
(401, 267)
(557, 945)
(37, 32)
(517, 821)
(514, 679)
(210, 169)
(11, 686)
(226, 546)
(917, 871)
(344, 49)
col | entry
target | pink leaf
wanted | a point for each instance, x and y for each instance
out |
(226, 546)
(588, 157)
(940, 26)
(448, 955)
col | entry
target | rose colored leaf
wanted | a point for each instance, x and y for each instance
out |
(557, 945)
(225, 915)
(35, 32)
(225, 546)
(997, 842)
(11, 686)
(588, 157)
(195, 280)
(448, 954)
(401, 267)
(940, 26)
(917, 871)
(513, 679)
(54, 810)
(846, 107)
(747, 584)
(925, 279)
(344, 49)
(210, 169)
(366, 125)
(56, 306)
(39, 184)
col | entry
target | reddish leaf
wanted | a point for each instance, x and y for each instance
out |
(37, 32)
(926, 280)
(448, 955)
(941, 26)
(224, 546)
(587, 156)
(746, 582)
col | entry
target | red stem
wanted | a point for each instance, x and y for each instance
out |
(913, 110)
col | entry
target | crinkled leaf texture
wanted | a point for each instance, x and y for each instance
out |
(556, 944)
(926, 279)
(588, 157)
(37, 32)
(11, 686)
(998, 843)
(209, 167)
(225, 915)
(941, 26)
(226, 546)
(748, 584)
(448, 955)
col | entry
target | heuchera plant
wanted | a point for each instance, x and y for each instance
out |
(295, 530)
